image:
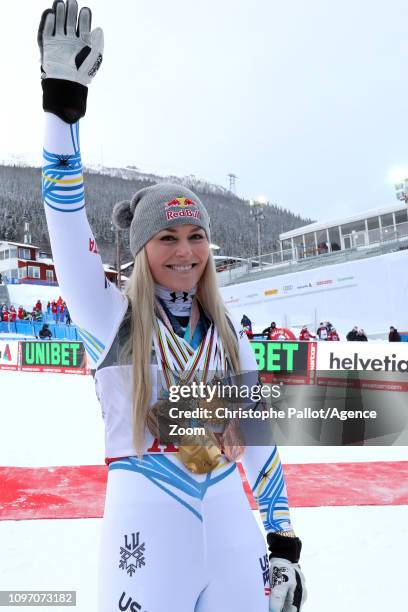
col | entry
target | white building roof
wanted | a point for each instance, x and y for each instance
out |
(321, 225)
(127, 265)
(20, 244)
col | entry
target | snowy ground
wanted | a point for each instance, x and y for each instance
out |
(27, 295)
(50, 419)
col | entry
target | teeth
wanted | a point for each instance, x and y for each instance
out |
(181, 268)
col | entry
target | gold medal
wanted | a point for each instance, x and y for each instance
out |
(200, 454)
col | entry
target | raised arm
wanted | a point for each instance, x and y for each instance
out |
(71, 55)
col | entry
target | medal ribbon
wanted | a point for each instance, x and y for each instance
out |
(180, 363)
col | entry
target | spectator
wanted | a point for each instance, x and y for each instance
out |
(246, 322)
(322, 331)
(37, 315)
(305, 334)
(13, 314)
(394, 336)
(268, 330)
(61, 309)
(54, 310)
(1, 278)
(333, 336)
(68, 319)
(20, 314)
(48, 309)
(44, 332)
(38, 305)
(352, 335)
(361, 336)
(248, 332)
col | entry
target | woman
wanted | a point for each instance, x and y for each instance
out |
(178, 533)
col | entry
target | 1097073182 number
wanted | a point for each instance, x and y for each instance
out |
(36, 598)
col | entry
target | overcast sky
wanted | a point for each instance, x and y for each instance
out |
(306, 102)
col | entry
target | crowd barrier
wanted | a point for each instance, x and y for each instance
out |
(30, 328)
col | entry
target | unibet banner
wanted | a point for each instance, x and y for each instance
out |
(64, 357)
(8, 355)
(291, 362)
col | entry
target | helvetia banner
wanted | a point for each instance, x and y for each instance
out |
(8, 355)
(58, 357)
(364, 365)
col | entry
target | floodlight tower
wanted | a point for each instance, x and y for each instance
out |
(27, 235)
(232, 182)
(257, 214)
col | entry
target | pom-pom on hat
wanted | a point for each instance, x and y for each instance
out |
(153, 209)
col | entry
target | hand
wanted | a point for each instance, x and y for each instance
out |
(288, 592)
(69, 49)
(288, 586)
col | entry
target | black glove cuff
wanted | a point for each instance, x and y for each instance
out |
(66, 99)
(284, 547)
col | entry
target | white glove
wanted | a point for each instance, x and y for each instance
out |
(288, 586)
(288, 591)
(69, 50)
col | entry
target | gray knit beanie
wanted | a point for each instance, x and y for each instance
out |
(153, 209)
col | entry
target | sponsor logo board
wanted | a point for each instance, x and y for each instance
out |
(368, 357)
(8, 355)
(52, 356)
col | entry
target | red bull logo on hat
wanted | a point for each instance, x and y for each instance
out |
(185, 206)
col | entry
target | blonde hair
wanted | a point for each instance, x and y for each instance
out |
(140, 292)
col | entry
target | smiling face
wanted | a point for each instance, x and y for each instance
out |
(177, 256)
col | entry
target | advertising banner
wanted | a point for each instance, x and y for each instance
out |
(57, 357)
(286, 361)
(332, 393)
(8, 355)
(381, 366)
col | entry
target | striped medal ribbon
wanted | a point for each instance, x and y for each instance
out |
(179, 363)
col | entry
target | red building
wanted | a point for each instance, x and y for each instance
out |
(25, 263)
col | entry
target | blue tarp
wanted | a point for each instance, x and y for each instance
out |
(59, 331)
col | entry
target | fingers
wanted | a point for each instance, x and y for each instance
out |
(71, 17)
(97, 41)
(59, 8)
(84, 21)
(46, 27)
(63, 18)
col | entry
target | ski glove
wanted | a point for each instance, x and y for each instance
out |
(71, 55)
(288, 592)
